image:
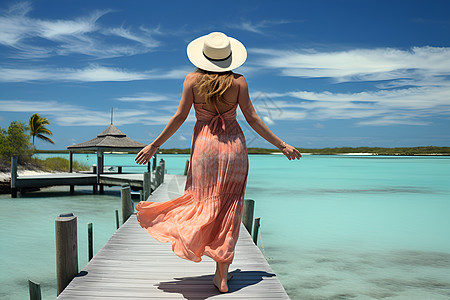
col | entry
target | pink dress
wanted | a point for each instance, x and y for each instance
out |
(206, 219)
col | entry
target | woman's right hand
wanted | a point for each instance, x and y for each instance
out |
(290, 152)
(145, 154)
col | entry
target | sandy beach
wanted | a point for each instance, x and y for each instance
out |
(6, 176)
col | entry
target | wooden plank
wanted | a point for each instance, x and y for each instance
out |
(132, 265)
(135, 180)
(35, 290)
(56, 179)
(45, 180)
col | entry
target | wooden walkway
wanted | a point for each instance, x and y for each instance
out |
(132, 265)
(51, 179)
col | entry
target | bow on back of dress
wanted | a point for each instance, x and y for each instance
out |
(213, 118)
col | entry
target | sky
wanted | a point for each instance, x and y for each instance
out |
(320, 73)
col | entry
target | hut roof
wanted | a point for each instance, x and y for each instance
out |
(111, 139)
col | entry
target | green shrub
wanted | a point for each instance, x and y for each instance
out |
(15, 142)
(58, 164)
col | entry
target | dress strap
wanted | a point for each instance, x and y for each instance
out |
(214, 121)
(215, 105)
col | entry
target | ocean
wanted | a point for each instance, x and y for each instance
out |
(332, 227)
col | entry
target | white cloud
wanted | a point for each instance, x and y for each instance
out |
(392, 120)
(72, 115)
(58, 30)
(92, 73)
(248, 26)
(359, 64)
(409, 87)
(99, 73)
(383, 107)
(144, 97)
(14, 26)
(411, 98)
(82, 35)
(28, 106)
(258, 26)
(144, 39)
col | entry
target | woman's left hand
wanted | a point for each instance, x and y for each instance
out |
(146, 154)
(290, 152)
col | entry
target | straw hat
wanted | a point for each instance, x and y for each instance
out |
(216, 52)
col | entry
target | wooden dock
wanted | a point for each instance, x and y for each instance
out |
(98, 179)
(51, 179)
(132, 265)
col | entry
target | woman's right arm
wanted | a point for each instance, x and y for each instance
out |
(258, 125)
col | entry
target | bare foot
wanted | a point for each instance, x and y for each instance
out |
(220, 284)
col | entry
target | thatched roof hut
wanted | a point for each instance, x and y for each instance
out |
(110, 140)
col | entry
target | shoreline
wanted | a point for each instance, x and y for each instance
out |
(353, 154)
(6, 175)
(251, 151)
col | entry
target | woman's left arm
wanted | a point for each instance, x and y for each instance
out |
(187, 98)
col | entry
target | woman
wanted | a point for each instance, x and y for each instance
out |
(206, 219)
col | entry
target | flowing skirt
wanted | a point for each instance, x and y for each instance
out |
(206, 219)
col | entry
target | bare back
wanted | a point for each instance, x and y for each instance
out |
(230, 96)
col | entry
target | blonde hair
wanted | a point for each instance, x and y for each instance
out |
(212, 85)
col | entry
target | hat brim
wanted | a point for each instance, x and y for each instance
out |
(196, 56)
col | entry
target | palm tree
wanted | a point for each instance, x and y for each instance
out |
(37, 128)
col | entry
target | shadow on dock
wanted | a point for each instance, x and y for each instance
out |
(183, 285)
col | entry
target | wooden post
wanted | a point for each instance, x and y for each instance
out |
(158, 176)
(70, 161)
(247, 214)
(186, 167)
(94, 187)
(72, 187)
(256, 230)
(117, 219)
(13, 176)
(147, 187)
(119, 169)
(148, 166)
(90, 242)
(127, 204)
(35, 290)
(99, 165)
(102, 162)
(162, 163)
(102, 166)
(66, 250)
(154, 162)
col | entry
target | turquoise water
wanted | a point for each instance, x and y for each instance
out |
(332, 227)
